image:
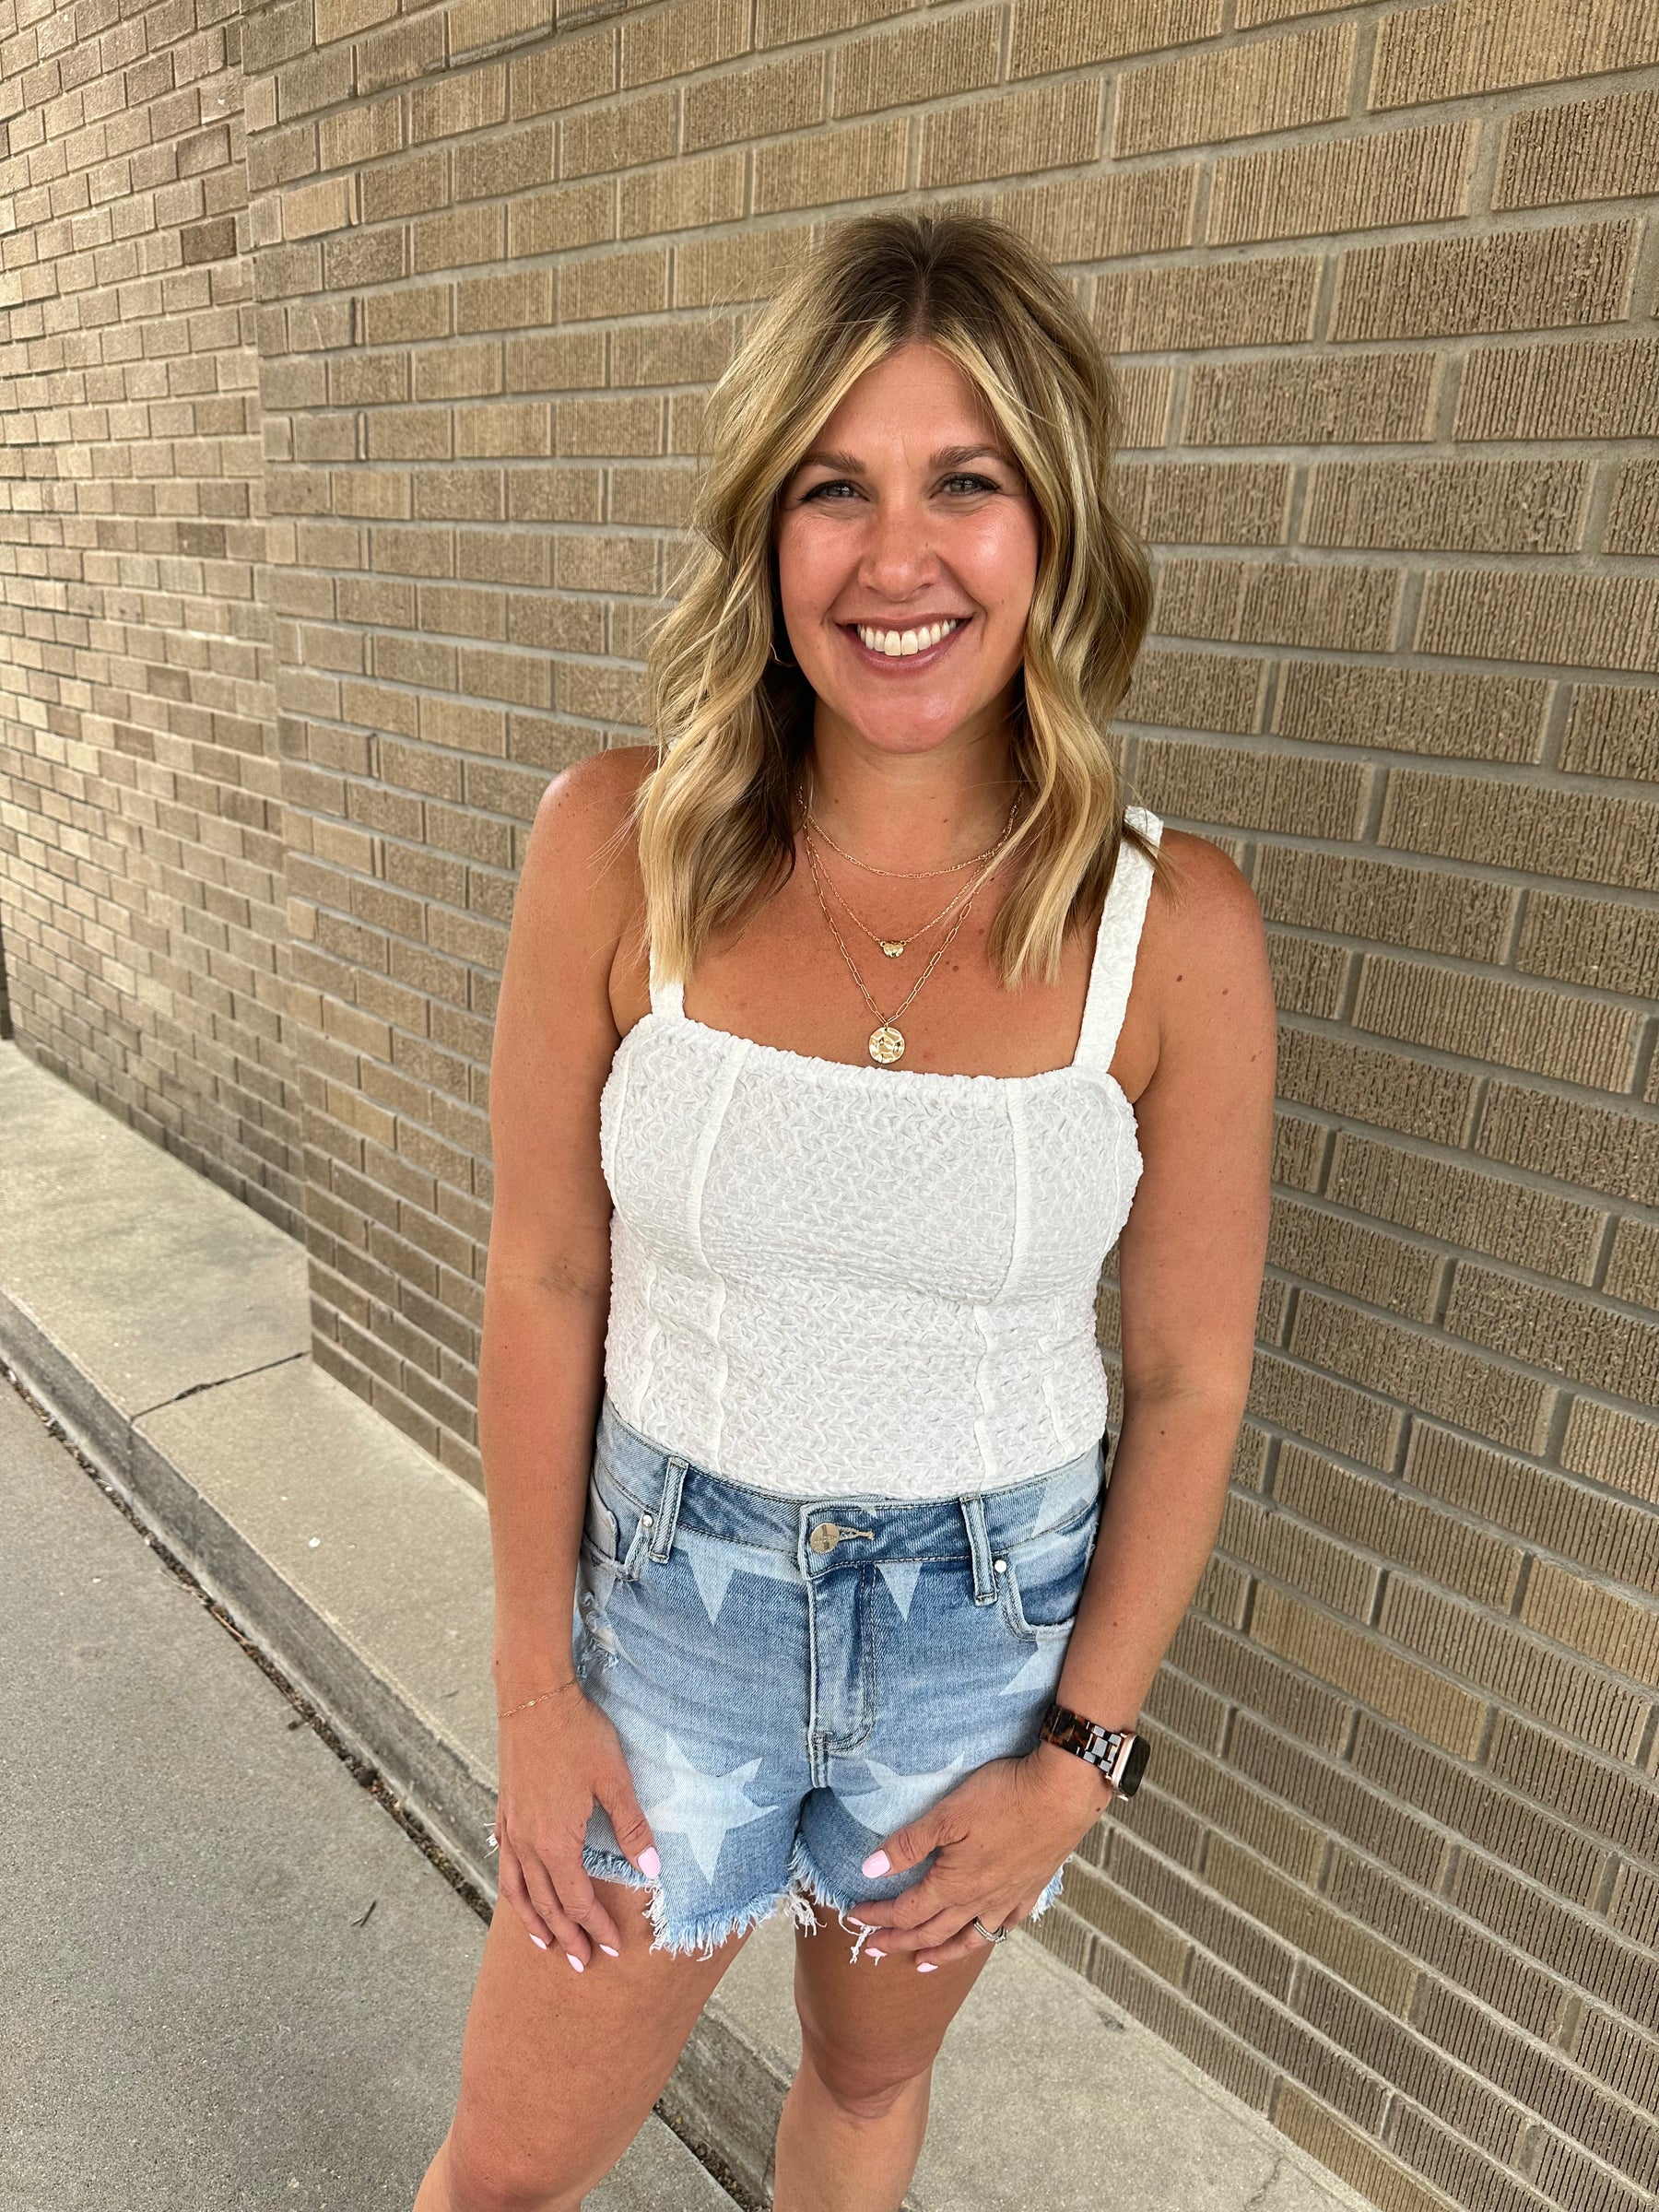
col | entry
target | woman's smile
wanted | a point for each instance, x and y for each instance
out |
(903, 647)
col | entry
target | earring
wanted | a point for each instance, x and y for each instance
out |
(775, 655)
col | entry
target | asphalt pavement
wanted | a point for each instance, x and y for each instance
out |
(229, 1981)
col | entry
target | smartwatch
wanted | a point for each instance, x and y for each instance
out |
(1120, 1753)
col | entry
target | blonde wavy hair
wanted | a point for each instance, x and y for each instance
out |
(715, 818)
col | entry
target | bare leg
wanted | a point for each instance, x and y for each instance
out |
(558, 2071)
(856, 2111)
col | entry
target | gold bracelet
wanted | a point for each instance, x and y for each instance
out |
(537, 1700)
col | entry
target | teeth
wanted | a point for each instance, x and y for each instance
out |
(894, 643)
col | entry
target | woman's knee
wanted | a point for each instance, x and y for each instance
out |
(864, 2084)
(487, 2171)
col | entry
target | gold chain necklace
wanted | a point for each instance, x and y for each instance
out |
(908, 875)
(887, 1039)
(895, 948)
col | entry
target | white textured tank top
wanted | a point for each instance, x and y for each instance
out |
(831, 1281)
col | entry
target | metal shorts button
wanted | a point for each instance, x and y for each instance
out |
(825, 1536)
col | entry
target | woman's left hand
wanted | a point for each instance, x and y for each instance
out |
(1001, 1836)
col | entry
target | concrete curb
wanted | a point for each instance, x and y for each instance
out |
(167, 1326)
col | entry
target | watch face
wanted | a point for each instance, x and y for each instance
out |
(1139, 1752)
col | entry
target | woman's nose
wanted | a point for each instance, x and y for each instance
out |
(897, 554)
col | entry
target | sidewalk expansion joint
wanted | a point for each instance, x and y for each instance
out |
(195, 1390)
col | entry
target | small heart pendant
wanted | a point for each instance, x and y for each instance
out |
(893, 951)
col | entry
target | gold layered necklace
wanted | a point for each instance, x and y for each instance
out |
(887, 1039)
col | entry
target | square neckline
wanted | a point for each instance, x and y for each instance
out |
(1117, 891)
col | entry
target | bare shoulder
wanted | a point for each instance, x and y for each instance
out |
(1206, 948)
(580, 867)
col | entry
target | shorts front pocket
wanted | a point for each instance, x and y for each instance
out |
(617, 1532)
(1041, 1579)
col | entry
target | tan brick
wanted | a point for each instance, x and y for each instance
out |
(510, 161)
(605, 564)
(1300, 794)
(1606, 944)
(1532, 506)
(1012, 135)
(1536, 279)
(1579, 620)
(1354, 1661)
(1633, 524)
(313, 208)
(1196, 304)
(1572, 1141)
(1423, 1368)
(475, 24)
(683, 196)
(1606, 1624)
(1352, 399)
(1591, 149)
(563, 361)
(554, 495)
(563, 75)
(1517, 1025)
(1334, 184)
(1633, 1264)
(412, 186)
(672, 353)
(755, 102)
(1467, 46)
(1368, 1263)
(1608, 389)
(1195, 690)
(613, 284)
(1103, 218)
(751, 264)
(520, 428)
(1048, 35)
(345, 19)
(1205, 503)
(922, 62)
(361, 133)
(1582, 1340)
(680, 40)
(457, 104)
(1612, 730)
(402, 54)
(618, 135)
(1403, 1530)
(609, 427)
(571, 214)
(651, 495)
(1615, 1446)
(1145, 394)
(1453, 711)
(1605, 1715)
(1552, 1234)
(1267, 84)
(1274, 603)
(468, 238)
(394, 318)
(503, 302)
(455, 371)
(781, 23)
(1276, 1544)
(866, 162)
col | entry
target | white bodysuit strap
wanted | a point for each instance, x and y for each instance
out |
(665, 998)
(1116, 948)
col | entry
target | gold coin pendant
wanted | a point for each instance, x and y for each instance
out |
(887, 1044)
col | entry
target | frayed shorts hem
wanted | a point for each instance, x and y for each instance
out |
(808, 1889)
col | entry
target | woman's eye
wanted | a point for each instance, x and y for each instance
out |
(830, 485)
(973, 483)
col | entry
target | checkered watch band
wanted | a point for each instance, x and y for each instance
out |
(1120, 1754)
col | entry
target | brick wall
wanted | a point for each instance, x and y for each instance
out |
(1381, 278)
(141, 831)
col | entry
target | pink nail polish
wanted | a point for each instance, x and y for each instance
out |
(871, 1952)
(540, 1942)
(649, 1864)
(575, 1963)
(877, 1864)
(609, 1952)
(924, 1965)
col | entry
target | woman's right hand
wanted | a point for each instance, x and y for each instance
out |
(557, 1760)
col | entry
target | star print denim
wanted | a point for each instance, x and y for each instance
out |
(791, 1681)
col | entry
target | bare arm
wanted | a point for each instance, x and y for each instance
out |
(541, 1370)
(1189, 1274)
(547, 1289)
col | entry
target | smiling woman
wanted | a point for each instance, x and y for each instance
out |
(791, 1391)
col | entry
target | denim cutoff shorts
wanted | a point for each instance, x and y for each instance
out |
(792, 1679)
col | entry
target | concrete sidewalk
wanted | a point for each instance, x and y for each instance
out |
(231, 1980)
(165, 1324)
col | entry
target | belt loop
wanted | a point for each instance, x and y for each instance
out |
(667, 1513)
(979, 1550)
